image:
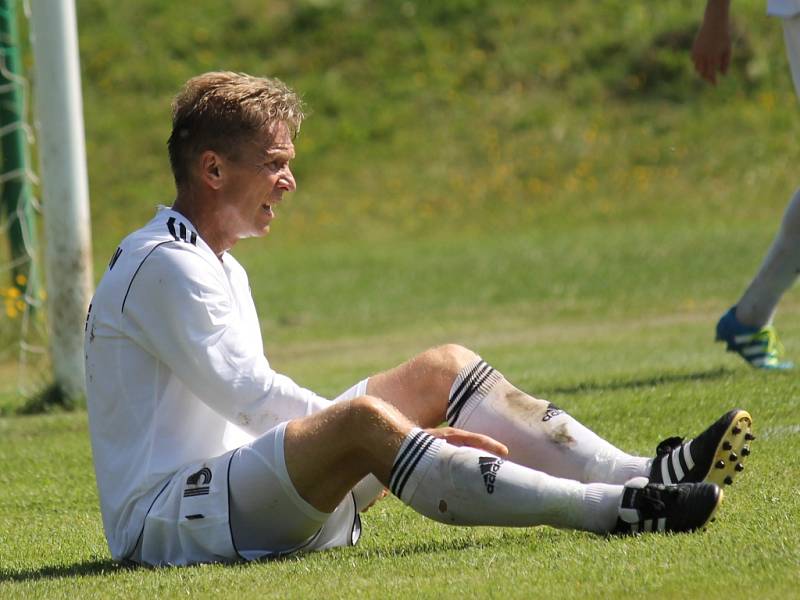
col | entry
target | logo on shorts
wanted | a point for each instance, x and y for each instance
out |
(196, 487)
(552, 411)
(489, 466)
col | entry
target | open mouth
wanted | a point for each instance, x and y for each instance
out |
(268, 209)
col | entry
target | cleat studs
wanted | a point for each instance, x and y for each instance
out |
(745, 451)
(739, 467)
(736, 430)
(749, 437)
(733, 456)
(726, 445)
(720, 464)
(728, 480)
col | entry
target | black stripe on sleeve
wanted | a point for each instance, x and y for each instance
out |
(171, 227)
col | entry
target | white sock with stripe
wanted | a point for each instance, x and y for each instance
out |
(776, 274)
(538, 434)
(466, 486)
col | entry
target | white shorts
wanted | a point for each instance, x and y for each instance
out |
(189, 521)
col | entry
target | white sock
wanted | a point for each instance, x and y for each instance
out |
(776, 274)
(466, 486)
(538, 434)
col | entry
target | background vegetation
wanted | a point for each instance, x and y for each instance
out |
(547, 183)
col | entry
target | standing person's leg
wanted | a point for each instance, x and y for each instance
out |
(451, 383)
(327, 453)
(778, 272)
(747, 326)
(791, 36)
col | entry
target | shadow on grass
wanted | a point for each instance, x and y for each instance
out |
(84, 569)
(49, 399)
(632, 384)
(507, 537)
(424, 547)
(105, 567)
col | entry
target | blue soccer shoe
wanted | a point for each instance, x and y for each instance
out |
(760, 347)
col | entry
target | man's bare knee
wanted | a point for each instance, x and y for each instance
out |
(328, 452)
(366, 405)
(421, 386)
(454, 357)
(349, 422)
(445, 362)
(370, 416)
(375, 430)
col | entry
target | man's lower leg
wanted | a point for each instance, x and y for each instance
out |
(467, 486)
(538, 434)
(776, 274)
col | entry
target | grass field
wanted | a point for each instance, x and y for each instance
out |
(628, 351)
(547, 185)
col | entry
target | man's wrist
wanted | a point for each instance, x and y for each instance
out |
(718, 8)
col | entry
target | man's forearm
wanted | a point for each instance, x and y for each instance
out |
(717, 11)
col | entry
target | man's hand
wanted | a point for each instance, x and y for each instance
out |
(460, 437)
(457, 437)
(711, 51)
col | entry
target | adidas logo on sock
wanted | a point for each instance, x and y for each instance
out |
(489, 466)
(552, 411)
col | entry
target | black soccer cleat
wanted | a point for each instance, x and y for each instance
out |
(655, 507)
(715, 456)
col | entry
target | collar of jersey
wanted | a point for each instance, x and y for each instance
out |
(165, 212)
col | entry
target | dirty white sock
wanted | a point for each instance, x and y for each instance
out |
(538, 434)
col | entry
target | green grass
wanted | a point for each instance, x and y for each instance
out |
(547, 184)
(424, 114)
(628, 352)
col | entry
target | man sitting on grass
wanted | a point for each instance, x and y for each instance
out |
(176, 369)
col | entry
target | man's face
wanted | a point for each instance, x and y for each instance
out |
(256, 184)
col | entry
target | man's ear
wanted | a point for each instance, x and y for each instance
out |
(211, 169)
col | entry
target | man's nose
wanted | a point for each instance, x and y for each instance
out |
(287, 179)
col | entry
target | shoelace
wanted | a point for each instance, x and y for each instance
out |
(769, 336)
(668, 445)
(651, 501)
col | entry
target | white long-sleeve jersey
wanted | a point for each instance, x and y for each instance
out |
(174, 359)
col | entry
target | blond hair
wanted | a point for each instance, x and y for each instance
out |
(222, 110)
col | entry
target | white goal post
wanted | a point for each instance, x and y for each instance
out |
(65, 198)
